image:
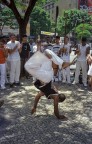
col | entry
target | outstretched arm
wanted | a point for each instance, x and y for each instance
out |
(67, 64)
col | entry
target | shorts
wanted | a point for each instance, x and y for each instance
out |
(46, 89)
(90, 70)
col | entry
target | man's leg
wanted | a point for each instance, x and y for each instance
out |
(84, 72)
(68, 75)
(77, 72)
(64, 75)
(3, 70)
(17, 72)
(12, 71)
(37, 98)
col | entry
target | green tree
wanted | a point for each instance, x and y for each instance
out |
(83, 30)
(71, 19)
(39, 21)
(7, 18)
(16, 6)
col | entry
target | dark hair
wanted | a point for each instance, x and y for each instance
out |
(57, 37)
(24, 35)
(12, 34)
(84, 39)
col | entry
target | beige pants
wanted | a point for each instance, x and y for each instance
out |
(81, 65)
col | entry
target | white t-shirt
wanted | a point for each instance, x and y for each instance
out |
(82, 56)
(66, 56)
(15, 55)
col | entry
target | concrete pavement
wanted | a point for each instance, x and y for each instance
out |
(17, 126)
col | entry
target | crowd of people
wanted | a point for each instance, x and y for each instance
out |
(13, 56)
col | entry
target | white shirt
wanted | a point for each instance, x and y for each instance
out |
(15, 55)
(66, 56)
(82, 56)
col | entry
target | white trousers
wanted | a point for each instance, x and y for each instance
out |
(81, 65)
(3, 72)
(14, 71)
(66, 75)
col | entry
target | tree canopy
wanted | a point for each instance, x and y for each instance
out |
(39, 21)
(83, 30)
(71, 19)
(7, 18)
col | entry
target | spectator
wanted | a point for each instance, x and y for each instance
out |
(38, 46)
(25, 55)
(32, 43)
(82, 51)
(55, 49)
(14, 49)
(3, 56)
(64, 52)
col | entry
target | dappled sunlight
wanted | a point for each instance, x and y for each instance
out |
(18, 125)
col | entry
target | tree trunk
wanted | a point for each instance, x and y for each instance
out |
(22, 30)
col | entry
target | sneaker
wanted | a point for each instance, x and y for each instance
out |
(1, 102)
(17, 84)
(11, 85)
(74, 83)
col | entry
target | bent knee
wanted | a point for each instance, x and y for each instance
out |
(62, 97)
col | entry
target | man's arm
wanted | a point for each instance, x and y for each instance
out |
(12, 50)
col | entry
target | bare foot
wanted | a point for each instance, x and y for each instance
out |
(33, 110)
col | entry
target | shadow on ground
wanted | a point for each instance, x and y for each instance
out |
(18, 126)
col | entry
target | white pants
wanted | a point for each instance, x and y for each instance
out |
(81, 65)
(3, 72)
(66, 75)
(14, 71)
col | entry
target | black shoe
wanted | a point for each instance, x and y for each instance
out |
(11, 85)
(17, 84)
(1, 102)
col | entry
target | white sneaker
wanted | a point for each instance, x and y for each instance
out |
(74, 83)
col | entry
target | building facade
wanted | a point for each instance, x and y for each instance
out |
(62, 5)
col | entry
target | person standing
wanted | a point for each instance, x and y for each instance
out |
(25, 55)
(55, 49)
(64, 53)
(14, 49)
(3, 56)
(82, 51)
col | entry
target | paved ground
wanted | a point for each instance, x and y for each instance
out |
(17, 126)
